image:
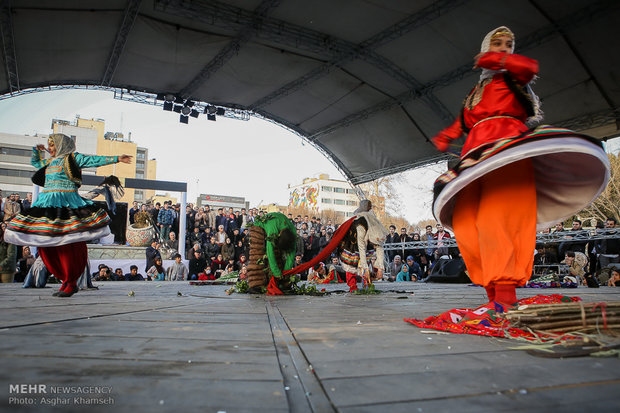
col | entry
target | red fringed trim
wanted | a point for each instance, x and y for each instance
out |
(603, 306)
(272, 288)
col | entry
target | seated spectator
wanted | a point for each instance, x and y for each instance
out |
(151, 252)
(218, 265)
(228, 250)
(103, 274)
(394, 268)
(243, 273)
(403, 274)
(415, 272)
(220, 236)
(118, 275)
(197, 265)
(133, 274)
(37, 276)
(157, 271)
(577, 262)
(212, 249)
(242, 261)
(177, 271)
(614, 279)
(172, 243)
(298, 261)
(206, 275)
(24, 264)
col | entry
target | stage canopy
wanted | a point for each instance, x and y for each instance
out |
(368, 82)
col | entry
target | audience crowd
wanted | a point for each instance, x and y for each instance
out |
(217, 245)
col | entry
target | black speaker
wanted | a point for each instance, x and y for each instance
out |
(448, 270)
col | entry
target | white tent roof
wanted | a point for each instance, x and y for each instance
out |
(368, 82)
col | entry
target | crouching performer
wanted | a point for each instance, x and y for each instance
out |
(365, 234)
(60, 221)
(272, 250)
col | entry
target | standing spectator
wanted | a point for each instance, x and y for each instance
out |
(177, 271)
(152, 252)
(403, 237)
(244, 219)
(11, 208)
(189, 219)
(165, 220)
(220, 220)
(440, 235)
(135, 208)
(232, 224)
(313, 244)
(155, 212)
(211, 218)
(27, 203)
(609, 251)
(8, 259)
(392, 238)
(201, 219)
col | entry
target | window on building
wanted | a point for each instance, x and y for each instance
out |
(15, 151)
(140, 155)
(139, 175)
(339, 201)
(326, 188)
(139, 164)
(350, 191)
(339, 190)
(326, 200)
(349, 214)
(139, 196)
(16, 173)
(350, 203)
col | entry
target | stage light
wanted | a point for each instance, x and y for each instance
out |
(194, 113)
(183, 119)
(220, 112)
(211, 117)
(210, 110)
(189, 103)
(179, 100)
(168, 106)
(186, 110)
(178, 108)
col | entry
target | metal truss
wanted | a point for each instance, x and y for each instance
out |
(131, 96)
(376, 174)
(8, 46)
(129, 17)
(540, 36)
(231, 49)
(552, 238)
(338, 51)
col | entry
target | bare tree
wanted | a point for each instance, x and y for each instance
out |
(608, 203)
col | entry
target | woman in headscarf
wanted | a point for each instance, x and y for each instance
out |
(510, 180)
(60, 221)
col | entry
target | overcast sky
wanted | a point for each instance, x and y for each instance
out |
(254, 159)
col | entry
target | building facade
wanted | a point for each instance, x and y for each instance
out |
(322, 193)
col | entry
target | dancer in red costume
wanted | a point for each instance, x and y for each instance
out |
(60, 221)
(511, 179)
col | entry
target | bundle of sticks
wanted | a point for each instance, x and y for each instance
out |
(575, 317)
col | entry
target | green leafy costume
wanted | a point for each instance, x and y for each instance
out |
(274, 223)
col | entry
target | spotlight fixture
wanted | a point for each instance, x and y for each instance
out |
(184, 119)
(168, 99)
(211, 117)
(210, 110)
(194, 113)
(220, 111)
(178, 108)
(186, 110)
(168, 106)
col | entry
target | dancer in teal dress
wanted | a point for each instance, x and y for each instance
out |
(60, 221)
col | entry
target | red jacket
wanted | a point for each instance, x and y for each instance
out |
(492, 110)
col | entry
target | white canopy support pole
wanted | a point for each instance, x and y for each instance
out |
(182, 223)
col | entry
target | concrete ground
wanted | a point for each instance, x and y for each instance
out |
(171, 346)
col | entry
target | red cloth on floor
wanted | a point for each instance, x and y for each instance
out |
(272, 288)
(484, 321)
(66, 262)
(325, 252)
